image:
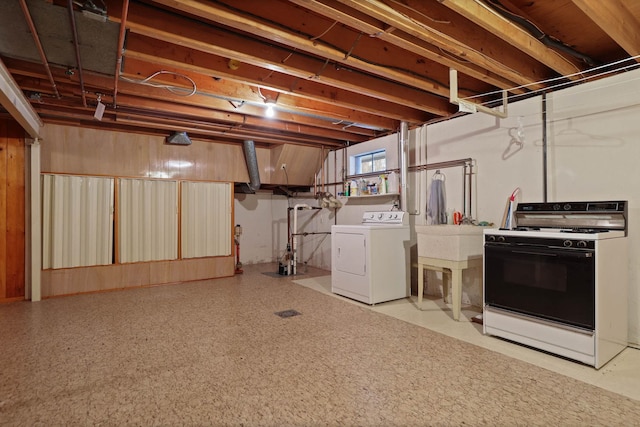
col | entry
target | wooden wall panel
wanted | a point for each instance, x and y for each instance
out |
(75, 150)
(119, 276)
(302, 164)
(83, 151)
(12, 211)
(4, 145)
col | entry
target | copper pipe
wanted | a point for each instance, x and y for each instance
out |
(322, 167)
(74, 30)
(123, 29)
(36, 39)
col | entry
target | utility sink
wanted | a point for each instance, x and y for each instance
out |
(449, 242)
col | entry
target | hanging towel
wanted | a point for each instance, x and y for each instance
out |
(437, 203)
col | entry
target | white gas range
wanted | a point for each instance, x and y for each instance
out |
(559, 280)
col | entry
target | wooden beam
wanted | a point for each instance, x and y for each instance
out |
(14, 101)
(210, 39)
(373, 111)
(222, 15)
(211, 107)
(491, 21)
(616, 20)
(415, 45)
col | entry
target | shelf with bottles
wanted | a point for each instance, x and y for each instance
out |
(367, 196)
(383, 185)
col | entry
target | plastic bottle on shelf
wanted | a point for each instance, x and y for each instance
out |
(382, 185)
(364, 189)
(354, 191)
(392, 183)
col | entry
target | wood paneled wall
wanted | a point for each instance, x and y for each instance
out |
(68, 281)
(85, 151)
(12, 211)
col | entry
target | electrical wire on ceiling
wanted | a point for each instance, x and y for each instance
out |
(264, 98)
(593, 73)
(324, 32)
(239, 102)
(412, 73)
(173, 89)
(540, 35)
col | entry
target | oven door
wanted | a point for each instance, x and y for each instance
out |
(552, 283)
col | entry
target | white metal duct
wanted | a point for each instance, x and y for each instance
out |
(77, 221)
(147, 220)
(206, 219)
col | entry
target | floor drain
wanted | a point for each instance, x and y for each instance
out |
(287, 313)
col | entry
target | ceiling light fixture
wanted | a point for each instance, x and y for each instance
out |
(270, 112)
(97, 115)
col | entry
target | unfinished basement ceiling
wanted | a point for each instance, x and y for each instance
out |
(338, 72)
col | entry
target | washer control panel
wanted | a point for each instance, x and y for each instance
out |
(385, 217)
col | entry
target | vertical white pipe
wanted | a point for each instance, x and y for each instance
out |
(35, 231)
(295, 234)
(404, 167)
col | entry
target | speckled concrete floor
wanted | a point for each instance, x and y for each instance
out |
(214, 353)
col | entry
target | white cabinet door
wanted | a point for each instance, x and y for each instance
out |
(350, 253)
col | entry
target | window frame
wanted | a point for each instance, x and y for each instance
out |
(357, 161)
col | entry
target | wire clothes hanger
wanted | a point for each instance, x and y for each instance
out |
(438, 175)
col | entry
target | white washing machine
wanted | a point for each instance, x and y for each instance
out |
(369, 261)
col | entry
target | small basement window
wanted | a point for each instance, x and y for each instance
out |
(373, 161)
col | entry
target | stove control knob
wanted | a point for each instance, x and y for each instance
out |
(567, 207)
(582, 244)
(501, 239)
(491, 238)
(380, 216)
(567, 243)
(556, 207)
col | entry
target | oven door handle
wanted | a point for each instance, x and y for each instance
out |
(565, 253)
(535, 253)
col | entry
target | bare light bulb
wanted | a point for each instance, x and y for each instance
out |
(270, 111)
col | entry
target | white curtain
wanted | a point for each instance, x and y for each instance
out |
(206, 219)
(77, 221)
(147, 220)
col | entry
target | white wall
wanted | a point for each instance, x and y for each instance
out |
(592, 155)
(263, 217)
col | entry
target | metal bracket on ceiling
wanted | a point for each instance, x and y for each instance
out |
(472, 107)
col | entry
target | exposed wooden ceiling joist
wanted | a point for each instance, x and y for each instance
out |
(615, 18)
(516, 36)
(341, 71)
